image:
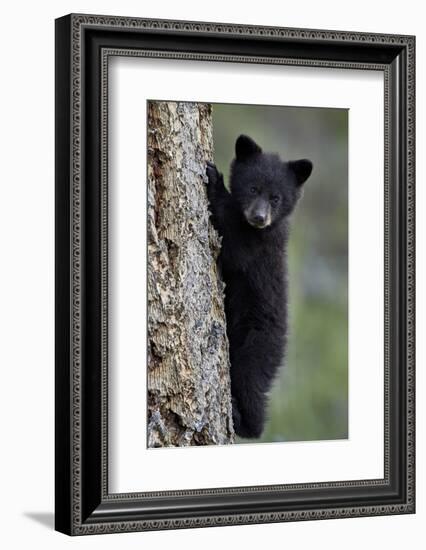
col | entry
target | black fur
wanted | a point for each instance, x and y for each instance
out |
(253, 223)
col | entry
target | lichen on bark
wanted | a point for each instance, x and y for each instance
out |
(189, 400)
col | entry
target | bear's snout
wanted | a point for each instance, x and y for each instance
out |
(258, 214)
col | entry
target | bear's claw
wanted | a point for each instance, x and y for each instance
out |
(211, 172)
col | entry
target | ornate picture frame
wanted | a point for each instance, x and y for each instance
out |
(84, 45)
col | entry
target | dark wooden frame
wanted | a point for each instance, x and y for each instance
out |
(83, 46)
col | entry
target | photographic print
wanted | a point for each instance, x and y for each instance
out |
(247, 273)
(234, 274)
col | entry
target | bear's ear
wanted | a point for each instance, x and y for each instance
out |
(302, 169)
(245, 147)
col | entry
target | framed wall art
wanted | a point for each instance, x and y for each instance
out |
(234, 274)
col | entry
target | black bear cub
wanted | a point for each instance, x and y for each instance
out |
(253, 220)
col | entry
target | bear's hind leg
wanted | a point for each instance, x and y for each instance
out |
(248, 412)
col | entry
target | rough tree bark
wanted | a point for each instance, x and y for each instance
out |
(189, 400)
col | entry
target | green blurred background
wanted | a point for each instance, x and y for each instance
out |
(309, 400)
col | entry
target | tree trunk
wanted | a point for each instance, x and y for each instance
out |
(189, 400)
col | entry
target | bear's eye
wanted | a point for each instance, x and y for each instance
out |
(253, 190)
(275, 199)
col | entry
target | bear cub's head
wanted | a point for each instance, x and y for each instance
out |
(264, 187)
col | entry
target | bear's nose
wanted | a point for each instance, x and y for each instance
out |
(259, 219)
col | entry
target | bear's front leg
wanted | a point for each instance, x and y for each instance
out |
(218, 196)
